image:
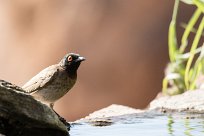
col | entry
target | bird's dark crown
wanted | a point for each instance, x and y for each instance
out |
(71, 62)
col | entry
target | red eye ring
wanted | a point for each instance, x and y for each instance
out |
(69, 58)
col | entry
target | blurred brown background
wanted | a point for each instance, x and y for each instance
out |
(124, 41)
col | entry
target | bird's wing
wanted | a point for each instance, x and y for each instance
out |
(41, 79)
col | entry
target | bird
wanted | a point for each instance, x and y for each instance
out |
(55, 81)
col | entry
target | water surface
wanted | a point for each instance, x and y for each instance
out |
(164, 125)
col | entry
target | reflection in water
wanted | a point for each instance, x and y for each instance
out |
(174, 125)
(188, 128)
(170, 125)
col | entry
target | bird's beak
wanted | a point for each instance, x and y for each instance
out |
(81, 59)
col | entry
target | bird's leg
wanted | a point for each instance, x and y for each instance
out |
(60, 118)
(52, 106)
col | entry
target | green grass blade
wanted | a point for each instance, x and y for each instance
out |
(172, 40)
(197, 68)
(173, 47)
(192, 52)
(185, 56)
(193, 30)
(187, 1)
(165, 85)
(199, 4)
(196, 71)
(188, 29)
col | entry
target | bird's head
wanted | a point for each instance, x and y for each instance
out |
(71, 62)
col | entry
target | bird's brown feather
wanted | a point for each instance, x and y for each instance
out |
(41, 80)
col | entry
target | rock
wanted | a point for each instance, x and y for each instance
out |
(113, 110)
(125, 121)
(22, 115)
(109, 115)
(190, 101)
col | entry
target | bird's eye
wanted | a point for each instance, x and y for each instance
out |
(69, 58)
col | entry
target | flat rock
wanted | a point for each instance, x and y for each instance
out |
(113, 110)
(163, 114)
(22, 115)
(125, 121)
(112, 114)
(190, 101)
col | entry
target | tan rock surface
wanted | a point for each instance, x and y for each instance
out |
(190, 101)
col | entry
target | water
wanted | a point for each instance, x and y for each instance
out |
(181, 125)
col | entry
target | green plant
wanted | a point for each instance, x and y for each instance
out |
(185, 67)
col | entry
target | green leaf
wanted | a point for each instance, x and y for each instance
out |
(192, 52)
(188, 29)
(199, 4)
(197, 68)
(187, 1)
(172, 40)
(164, 85)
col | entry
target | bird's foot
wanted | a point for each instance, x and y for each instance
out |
(61, 118)
(65, 122)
